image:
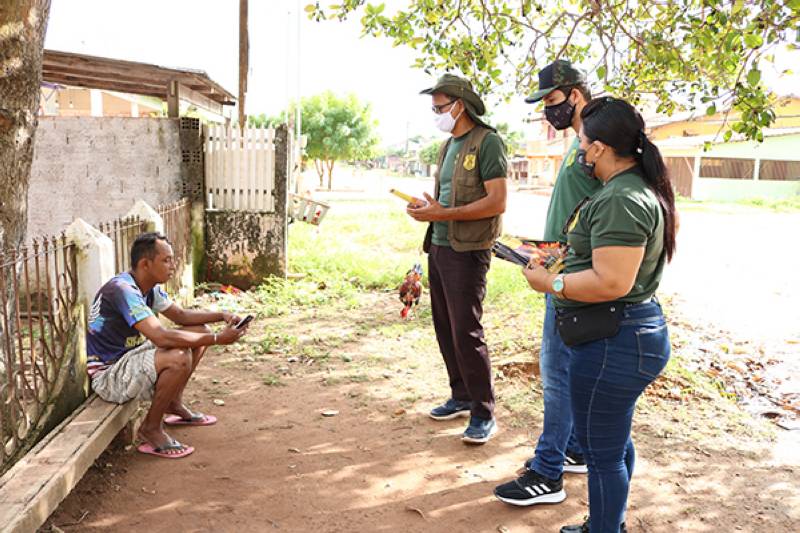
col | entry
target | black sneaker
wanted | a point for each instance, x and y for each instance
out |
(584, 528)
(574, 463)
(531, 489)
(450, 409)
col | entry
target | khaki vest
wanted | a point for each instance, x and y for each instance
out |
(466, 187)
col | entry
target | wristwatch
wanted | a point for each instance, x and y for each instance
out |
(558, 285)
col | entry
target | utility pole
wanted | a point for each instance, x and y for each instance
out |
(298, 121)
(244, 57)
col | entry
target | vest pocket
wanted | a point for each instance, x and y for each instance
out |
(474, 231)
(466, 194)
(469, 180)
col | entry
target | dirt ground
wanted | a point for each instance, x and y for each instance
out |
(274, 463)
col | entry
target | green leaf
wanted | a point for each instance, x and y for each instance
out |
(727, 135)
(753, 40)
(737, 6)
(601, 72)
(310, 8)
(710, 110)
(754, 76)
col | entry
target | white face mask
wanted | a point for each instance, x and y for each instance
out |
(445, 121)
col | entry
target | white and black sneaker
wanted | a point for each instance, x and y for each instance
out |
(574, 463)
(531, 489)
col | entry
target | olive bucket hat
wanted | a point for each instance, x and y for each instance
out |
(559, 73)
(461, 88)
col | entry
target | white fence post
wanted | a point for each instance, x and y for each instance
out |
(94, 258)
(145, 213)
(240, 168)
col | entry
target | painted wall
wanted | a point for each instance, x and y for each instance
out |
(724, 190)
(97, 167)
(782, 147)
(788, 116)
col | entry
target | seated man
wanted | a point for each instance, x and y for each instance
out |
(132, 355)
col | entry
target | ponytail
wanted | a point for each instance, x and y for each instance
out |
(618, 124)
(655, 174)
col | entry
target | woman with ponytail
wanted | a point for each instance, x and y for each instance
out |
(607, 315)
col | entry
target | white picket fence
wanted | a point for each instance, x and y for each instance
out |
(240, 168)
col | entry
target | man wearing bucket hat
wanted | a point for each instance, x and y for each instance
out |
(464, 221)
(565, 93)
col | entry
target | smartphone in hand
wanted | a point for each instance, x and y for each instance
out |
(243, 322)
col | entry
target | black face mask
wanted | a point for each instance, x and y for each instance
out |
(587, 168)
(560, 115)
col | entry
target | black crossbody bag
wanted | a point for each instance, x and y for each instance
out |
(590, 323)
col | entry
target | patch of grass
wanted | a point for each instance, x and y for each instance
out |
(275, 343)
(314, 352)
(371, 245)
(780, 205)
(272, 380)
(366, 245)
(791, 203)
(524, 403)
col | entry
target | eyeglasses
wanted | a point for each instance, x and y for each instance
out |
(439, 109)
(569, 225)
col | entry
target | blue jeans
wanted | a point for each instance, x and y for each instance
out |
(557, 436)
(606, 378)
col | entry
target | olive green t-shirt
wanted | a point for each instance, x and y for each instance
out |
(571, 187)
(492, 163)
(625, 212)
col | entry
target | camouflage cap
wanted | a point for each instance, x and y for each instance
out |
(557, 74)
(457, 87)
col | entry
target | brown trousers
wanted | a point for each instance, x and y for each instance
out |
(458, 286)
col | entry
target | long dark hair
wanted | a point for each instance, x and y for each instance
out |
(618, 124)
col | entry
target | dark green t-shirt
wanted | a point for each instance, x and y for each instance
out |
(625, 212)
(572, 186)
(491, 162)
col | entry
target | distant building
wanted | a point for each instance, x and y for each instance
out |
(544, 151)
(726, 171)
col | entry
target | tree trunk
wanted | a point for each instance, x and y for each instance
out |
(318, 165)
(330, 163)
(22, 27)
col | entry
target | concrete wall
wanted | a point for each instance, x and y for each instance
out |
(97, 167)
(780, 147)
(243, 248)
(724, 190)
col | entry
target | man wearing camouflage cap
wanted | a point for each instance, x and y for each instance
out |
(464, 217)
(565, 93)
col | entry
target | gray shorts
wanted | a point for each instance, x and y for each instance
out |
(132, 376)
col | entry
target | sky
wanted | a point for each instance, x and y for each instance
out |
(203, 34)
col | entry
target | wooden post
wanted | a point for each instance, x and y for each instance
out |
(244, 52)
(173, 100)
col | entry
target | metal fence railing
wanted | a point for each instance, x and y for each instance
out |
(38, 302)
(177, 218)
(123, 231)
